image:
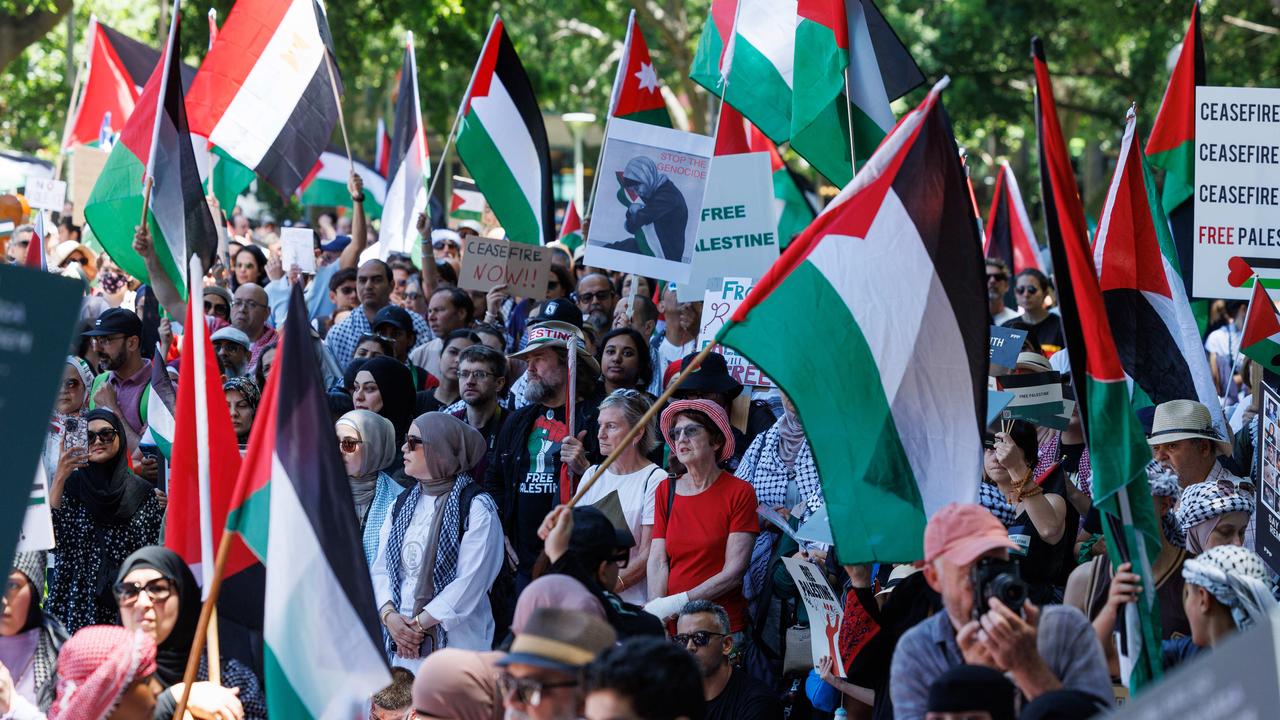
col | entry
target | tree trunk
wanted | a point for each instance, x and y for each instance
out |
(17, 33)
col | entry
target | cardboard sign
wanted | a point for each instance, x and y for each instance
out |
(38, 312)
(738, 225)
(297, 247)
(825, 612)
(37, 524)
(644, 218)
(46, 194)
(1237, 200)
(719, 302)
(1036, 395)
(1267, 536)
(488, 261)
(1006, 345)
(86, 165)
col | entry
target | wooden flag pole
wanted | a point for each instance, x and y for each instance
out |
(638, 428)
(337, 100)
(146, 200)
(204, 625)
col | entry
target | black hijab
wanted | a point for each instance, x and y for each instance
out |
(171, 655)
(395, 383)
(109, 489)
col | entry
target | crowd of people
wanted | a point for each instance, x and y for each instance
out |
(661, 593)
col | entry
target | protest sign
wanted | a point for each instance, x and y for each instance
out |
(37, 524)
(489, 261)
(997, 401)
(86, 165)
(719, 302)
(825, 612)
(38, 312)
(297, 247)
(1036, 395)
(1006, 344)
(1268, 463)
(645, 216)
(45, 193)
(737, 228)
(1237, 201)
(816, 528)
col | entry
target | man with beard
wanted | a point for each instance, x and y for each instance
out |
(124, 385)
(596, 299)
(373, 286)
(702, 628)
(525, 477)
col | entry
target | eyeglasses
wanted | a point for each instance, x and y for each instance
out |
(349, 445)
(527, 690)
(158, 590)
(686, 432)
(597, 296)
(1026, 290)
(246, 303)
(700, 638)
(219, 309)
(412, 442)
(998, 277)
(477, 375)
(105, 435)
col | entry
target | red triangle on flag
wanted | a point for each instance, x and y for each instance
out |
(108, 88)
(572, 223)
(1260, 322)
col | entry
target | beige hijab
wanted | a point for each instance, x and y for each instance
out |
(378, 436)
(451, 447)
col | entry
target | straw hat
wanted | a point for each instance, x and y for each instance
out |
(1034, 362)
(1185, 420)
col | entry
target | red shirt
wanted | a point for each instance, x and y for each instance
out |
(697, 532)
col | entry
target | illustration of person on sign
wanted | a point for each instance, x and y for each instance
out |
(657, 214)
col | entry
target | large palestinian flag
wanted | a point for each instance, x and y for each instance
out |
(1118, 451)
(293, 510)
(406, 189)
(1155, 333)
(327, 184)
(264, 93)
(911, 387)
(1261, 338)
(1009, 233)
(109, 92)
(637, 91)
(503, 142)
(155, 143)
(792, 205)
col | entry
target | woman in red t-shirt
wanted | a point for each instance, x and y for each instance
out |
(704, 526)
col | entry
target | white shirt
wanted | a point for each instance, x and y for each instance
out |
(668, 353)
(1005, 315)
(462, 606)
(636, 495)
(427, 356)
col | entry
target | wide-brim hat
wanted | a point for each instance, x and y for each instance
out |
(706, 407)
(712, 375)
(559, 639)
(64, 249)
(1185, 420)
(1033, 361)
(557, 335)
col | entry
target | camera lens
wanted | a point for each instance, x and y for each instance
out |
(1010, 589)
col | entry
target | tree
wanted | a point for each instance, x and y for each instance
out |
(23, 23)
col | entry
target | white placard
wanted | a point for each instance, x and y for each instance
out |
(1237, 201)
(720, 300)
(825, 612)
(37, 523)
(297, 247)
(46, 194)
(738, 225)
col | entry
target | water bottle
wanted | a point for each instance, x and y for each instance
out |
(840, 714)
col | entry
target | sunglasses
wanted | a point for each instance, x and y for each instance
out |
(1227, 487)
(219, 309)
(527, 690)
(700, 638)
(1026, 290)
(106, 436)
(686, 432)
(413, 443)
(158, 590)
(998, 277)
(598, 296)
(441, 244)
(349, 445)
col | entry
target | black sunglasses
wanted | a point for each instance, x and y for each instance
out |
(106, 435)
(700, 638)
(219, 309)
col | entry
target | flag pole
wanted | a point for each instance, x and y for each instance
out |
(76, 89)
(644, 420)
(1235, 353)
(206, 622)
(613, 104)
(457, 118)
(337, 100)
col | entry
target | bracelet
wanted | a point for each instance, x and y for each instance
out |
(386, 611)
(358, 198)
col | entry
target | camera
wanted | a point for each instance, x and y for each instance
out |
(997, 578)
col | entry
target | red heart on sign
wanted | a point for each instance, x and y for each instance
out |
(1240, 271)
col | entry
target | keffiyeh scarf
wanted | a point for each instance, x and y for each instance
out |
(1236, 577)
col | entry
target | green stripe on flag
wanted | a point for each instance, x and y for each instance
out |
(1179, 165)
(819, 72)
(228, 179)
(653, 116)
(757, 90)
(282, 700)
(501, 189)
(825, 143)
(706, 60)
(253, 520)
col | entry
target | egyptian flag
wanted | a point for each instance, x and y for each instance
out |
(292, 507)
(637, 91)
(263, 94)
(1118, 450)
(1151, 321)
(1009, 233)
(1261, 338)
(406, 189)
(571, 228)
(504, 142)
(156, 144)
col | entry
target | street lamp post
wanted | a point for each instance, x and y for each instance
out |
(577, 123)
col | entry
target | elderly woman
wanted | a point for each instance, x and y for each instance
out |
(440, 548)
(242, 396)
(101, 513)
(67, 423)
(29, 639)
(704, 518)
(367, 442)
(1214, 513)
(158, 595)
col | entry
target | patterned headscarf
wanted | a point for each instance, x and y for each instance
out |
(247, 388)
(1163, 482)
(84, 371)
(96, 666)
(1201, 507)
(1236, 577)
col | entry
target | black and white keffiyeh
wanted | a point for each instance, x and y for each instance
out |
(1236, 577)
(1207, 500)
(990, 497)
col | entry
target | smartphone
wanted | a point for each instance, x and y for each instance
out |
(153, 452)
(73, 434)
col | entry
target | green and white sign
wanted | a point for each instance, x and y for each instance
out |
(738, 224)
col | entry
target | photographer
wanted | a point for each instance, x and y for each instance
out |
(966, 553)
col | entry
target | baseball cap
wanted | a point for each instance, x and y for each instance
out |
(116, 321)
(962, 532)
(560, 310)
(393, 315)
(234, 335)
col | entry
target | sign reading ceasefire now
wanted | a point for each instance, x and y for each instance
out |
(523, 268)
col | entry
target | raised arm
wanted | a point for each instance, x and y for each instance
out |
(359, 224)
(166, 292)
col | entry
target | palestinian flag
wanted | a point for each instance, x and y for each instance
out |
(637, 91)
(109, 93)
(263, 93)
(913, 388)
(503, 142)
(792, 206)
(1261, 338)
(155, 143)
(161, 402)
(382, 150)
(1009, 233)
(571, 228)
(1118, 451)
(227, 178)
(1155, 333)
(1171, 147)
(467, 201)
(407, 189)
(293, 510)
(326, 185)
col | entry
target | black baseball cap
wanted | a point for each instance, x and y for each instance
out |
(116, 321)
(561, 310)
(394, 315)
(594, 534)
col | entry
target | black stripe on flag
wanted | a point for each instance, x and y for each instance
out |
(931, 186)
(1148, 351)
(1002, 228)
(898, 69)
(303, 138)
(406, 119)
(139, 59)
(516, 81)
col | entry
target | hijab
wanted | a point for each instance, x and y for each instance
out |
(377, 437)
(96, 666)
(450, 445)
(644, 172)
(459, 684)
(395, 383)
(108, 489)
(171, 655)
(790, 437)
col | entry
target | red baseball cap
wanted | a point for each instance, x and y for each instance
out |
(962, 532)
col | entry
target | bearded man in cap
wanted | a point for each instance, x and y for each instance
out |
(122, 389)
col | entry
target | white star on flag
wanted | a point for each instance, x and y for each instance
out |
(648, 78)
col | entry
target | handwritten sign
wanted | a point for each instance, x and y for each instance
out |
(45, 193)
(825, 612)
(719, 302)
(487, 262)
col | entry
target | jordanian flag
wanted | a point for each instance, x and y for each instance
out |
(503, 142)
(571, 228)
(467, 202)
(161, 401)
(155, 143)
(637, 91)
(913, 387)
(1172, 147)
(264, 93)
(1009, 233)
(792, 205)
(1118, 451)
(1154, 331)
(407, 190)
(293, 510)
(1261, 338)
(326, 186)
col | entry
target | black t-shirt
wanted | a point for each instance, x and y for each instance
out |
(1047, 334)
(538, 484)
(743, 699)
(1044, 566)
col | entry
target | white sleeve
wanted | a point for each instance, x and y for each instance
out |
(650, 495)
(378, 571)
(480, 556)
